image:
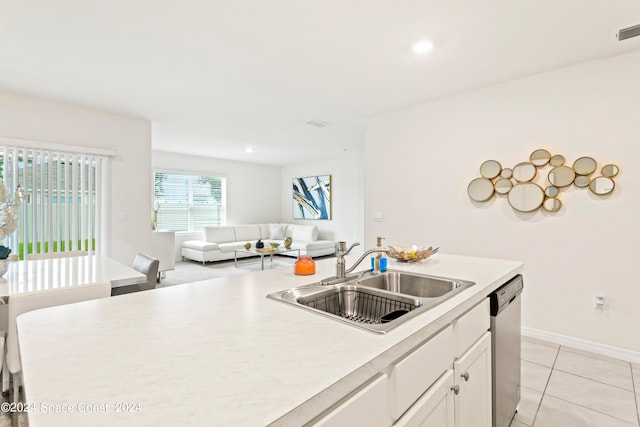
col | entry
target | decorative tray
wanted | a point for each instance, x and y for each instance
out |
(266, 250)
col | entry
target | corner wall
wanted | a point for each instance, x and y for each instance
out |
(35, 119)
(431, 152)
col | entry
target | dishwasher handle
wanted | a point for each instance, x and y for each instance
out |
(505, 295)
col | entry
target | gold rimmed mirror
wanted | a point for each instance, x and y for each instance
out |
(490, 169)
(610, 170)
(524, 172)
(506, 173)
(582, 181)
(503, 186)
(602, 185)
(557, 160)
(552, 204)
(551, 191)
(480, 189)
(584, 166)
(540, 157)
(561, 176)
(526, 197)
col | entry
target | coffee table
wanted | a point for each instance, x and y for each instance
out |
(270, 252)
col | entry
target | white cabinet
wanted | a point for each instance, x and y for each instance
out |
(435, 408)
(368, 407)
(472, 376)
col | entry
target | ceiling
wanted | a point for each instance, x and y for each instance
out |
(215, 77)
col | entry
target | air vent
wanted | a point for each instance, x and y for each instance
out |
(627, 33)
(318, 123)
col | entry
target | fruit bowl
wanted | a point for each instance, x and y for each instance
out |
(413, 254)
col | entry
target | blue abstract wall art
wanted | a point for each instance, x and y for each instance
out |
(312, 197)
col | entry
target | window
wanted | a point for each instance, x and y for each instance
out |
(187, 202)
(62, 209)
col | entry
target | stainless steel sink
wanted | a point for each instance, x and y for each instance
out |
(418, 285)
(376, 303)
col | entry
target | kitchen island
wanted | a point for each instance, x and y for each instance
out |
(218, 352)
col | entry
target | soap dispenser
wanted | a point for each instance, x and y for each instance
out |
(379, 260)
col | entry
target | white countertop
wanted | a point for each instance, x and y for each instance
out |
(218, 352)
(36, 275)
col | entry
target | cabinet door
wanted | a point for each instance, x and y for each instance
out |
(368, 407)
(472, 376)
(435, 406)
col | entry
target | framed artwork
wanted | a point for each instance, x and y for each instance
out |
(312, 197)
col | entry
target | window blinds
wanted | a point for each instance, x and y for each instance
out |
(62, 210)
(188, 202)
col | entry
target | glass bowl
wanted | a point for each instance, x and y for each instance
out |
(413, 254)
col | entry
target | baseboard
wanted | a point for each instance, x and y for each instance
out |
(585, 345)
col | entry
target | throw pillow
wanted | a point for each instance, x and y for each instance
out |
(276, 232)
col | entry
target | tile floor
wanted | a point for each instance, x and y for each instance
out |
(565, 387)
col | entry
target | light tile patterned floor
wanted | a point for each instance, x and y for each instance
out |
(565, 387)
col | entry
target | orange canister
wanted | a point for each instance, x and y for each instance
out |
(305, 265)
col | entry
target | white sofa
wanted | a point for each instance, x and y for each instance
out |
(220, 242)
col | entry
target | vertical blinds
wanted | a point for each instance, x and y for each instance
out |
(62, 210)
(188, 202)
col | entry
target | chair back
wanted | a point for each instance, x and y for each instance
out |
(29, 301)
(149, 267)
(49, 255)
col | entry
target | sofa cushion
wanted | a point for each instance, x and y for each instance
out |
(220, 234)
(200, 245)
(249, 233)
(276, 232)
(305, 233)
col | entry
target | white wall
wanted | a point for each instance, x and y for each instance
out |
(347, 194)
(34, 119)
(253, 191)
(425, 156)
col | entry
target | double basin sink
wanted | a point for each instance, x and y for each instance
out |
(375, 302)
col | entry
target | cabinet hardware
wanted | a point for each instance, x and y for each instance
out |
(456, 389)
(465, 376)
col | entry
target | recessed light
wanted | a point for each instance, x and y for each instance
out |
(422, 46)
(248, 150)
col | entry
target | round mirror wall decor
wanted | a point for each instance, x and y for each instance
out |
(552, 205)
(551, 191)
(584, 166)
(524, 172)
(503, 186)
(480, 189)
(557, 160)
(490, 169)
(582, 181)
(602, 186)
(525, 195)
(610, 171)
(540, 157)
(561, 176)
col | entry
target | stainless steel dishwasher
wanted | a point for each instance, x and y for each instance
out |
(505, 350)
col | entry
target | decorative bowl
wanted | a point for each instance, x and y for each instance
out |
(274, 244)
(265, 250)
(413, 254)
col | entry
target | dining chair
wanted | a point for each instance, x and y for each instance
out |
(29, 301)
(49, 255)
(146, 265)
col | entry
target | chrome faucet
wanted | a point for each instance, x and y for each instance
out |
(341, 270)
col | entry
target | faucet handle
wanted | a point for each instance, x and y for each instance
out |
(341, 248)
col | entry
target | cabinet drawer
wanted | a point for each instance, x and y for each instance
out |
(414, 374)
(368, 407)
(470, 327)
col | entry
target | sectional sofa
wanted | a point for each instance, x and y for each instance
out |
(219, 243)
